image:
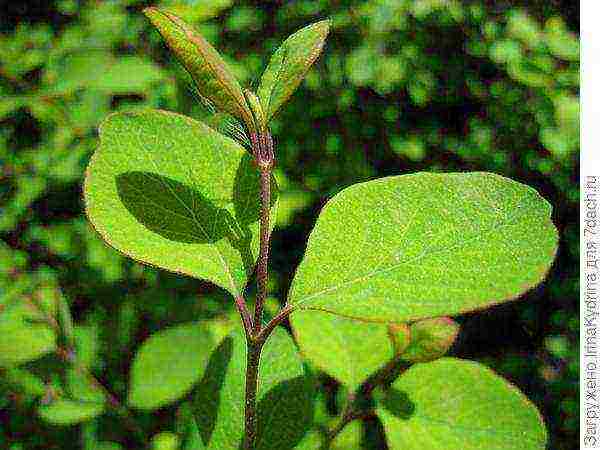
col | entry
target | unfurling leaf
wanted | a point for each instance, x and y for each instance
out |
(430, 339)
(455, 404)
(289, 64)
(424, 245)
(210, 73)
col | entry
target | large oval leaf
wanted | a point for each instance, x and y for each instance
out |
(425, 245)
(453, 404)
(210, 73)
(169, 191)
(289, 64)
(168, 364)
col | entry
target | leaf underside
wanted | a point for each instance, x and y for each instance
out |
(424, 245)
(210, 73)
(171, 192)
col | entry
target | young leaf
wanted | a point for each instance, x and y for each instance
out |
(289, 64)
(430, 339)
(425, 245)
(211, 75)
(171, 192)
(285, 395)
(168, 364)
(347, 349)
(456, 404)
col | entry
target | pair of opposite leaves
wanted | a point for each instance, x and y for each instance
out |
(172, 192)
(216, 82)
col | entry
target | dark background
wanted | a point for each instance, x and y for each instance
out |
(401, 87)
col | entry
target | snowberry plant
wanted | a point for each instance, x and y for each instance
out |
(387, 263)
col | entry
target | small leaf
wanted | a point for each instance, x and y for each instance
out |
(430, 339)
(289, 64)
(210, 73)
(24, 335)
(425, 245)
(168, 364)
(171, 192)
(348, 350)
(69, 412)
(285, 395)
(454, 404)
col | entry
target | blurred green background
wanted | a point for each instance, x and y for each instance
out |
(402, 86)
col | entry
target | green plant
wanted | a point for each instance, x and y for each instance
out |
(172, 192)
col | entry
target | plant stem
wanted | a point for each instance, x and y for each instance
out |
(353, 410)
(240, 302)
(251, 413)
(274, 322)
(264, 157)
(262, 147)
(68, 355)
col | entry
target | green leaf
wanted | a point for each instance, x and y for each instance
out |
(168, 364)
(165, 441)
(349, 438)
(187, 428)
(171, 192)
(210, 73)
(128, 74)
(80, 387)
(23, 334)
(453, 404)
(98, 70)
(425, 245)
(69, 412)
(347, 349)
(430, 339)
(289, 64)
(285, 395)
(23, 381)
(313, 440)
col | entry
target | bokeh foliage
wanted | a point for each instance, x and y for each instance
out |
(402, 86)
